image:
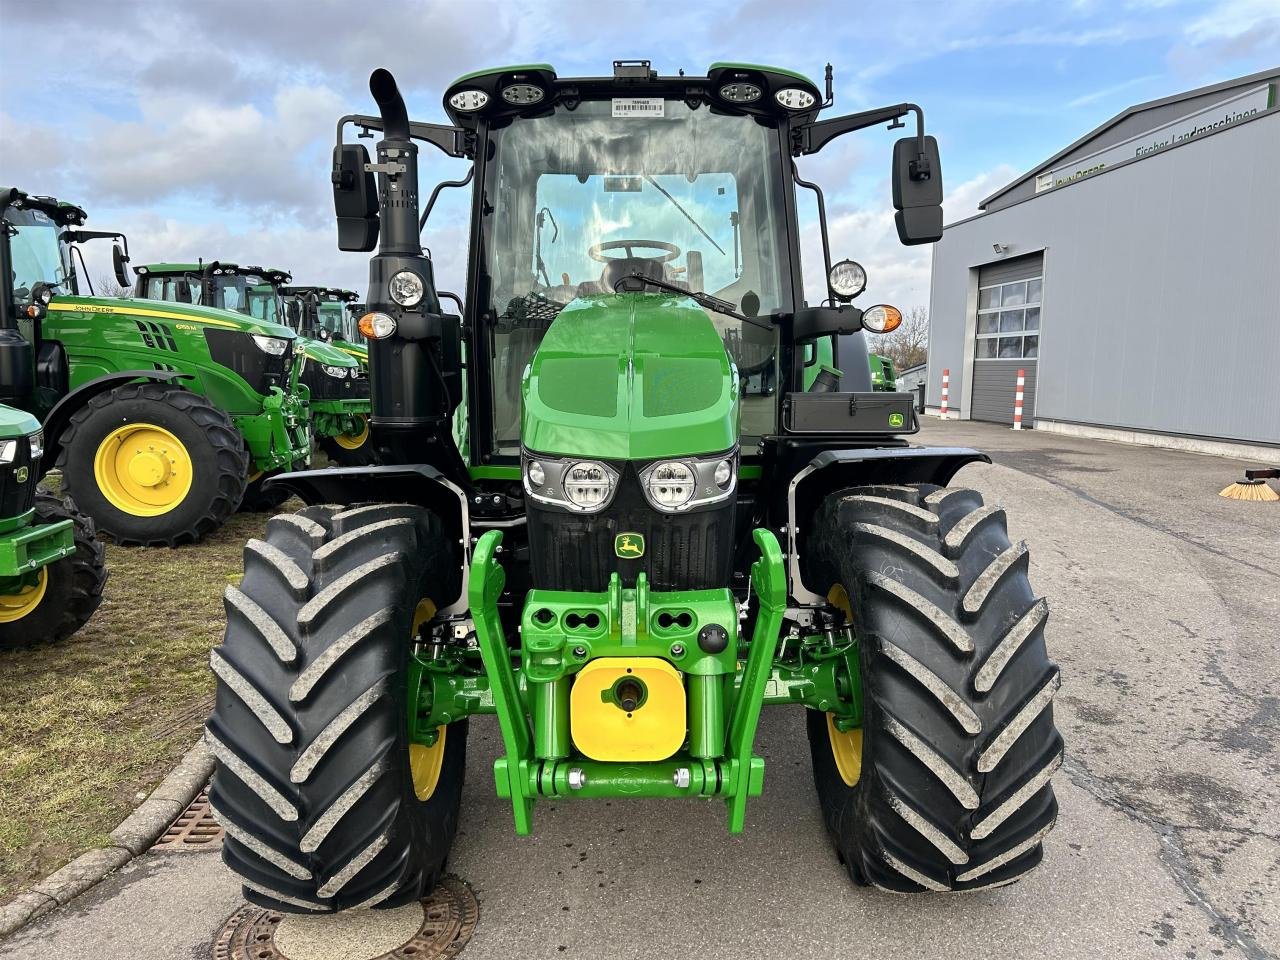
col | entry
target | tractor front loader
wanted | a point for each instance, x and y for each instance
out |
(157, 415)
(338, 385)
(643, 516)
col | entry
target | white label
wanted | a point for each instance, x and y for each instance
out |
(639, 107)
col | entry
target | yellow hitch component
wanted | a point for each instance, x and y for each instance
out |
(603, 729)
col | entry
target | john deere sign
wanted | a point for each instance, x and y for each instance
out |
(1203, 122)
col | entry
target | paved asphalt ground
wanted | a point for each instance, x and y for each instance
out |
(1165, 618)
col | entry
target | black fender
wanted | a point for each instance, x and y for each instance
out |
(833, 470)
(57, 419)
(417, 483)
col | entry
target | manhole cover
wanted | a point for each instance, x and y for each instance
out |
(195, 828)
(449, 917)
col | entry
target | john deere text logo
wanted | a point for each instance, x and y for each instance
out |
(895, 420)
(628, 546)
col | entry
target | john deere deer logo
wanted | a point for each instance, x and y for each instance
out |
(628, 546)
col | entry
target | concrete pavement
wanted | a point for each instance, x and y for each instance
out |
(1164, 601)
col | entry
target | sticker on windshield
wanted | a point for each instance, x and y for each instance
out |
(638, 107)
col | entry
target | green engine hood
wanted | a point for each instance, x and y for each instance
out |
(326, 353)
(630, 377)
(168, 310)
(16, 423)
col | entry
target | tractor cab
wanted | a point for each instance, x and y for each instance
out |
(326, 313)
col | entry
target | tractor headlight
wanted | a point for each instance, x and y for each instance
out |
(406, 288)
(669, 484)
(847, 279)
(466, 101)
(673, 486)
(583, 486)
(37, 445)
(881, 318)
(589, 485)
(794, 98)
(276, 346)
(339, 372)
(377, 326)
(8, 451)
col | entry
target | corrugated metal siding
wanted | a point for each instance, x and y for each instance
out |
(1007, 271)
(994, 383)
(1160, 286)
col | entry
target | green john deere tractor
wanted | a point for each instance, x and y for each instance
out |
(326, 314)
(338, 384)
(883, 375)
(51, 563)
(603, 538)
(159, 416)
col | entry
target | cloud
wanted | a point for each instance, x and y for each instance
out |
(1107, 92)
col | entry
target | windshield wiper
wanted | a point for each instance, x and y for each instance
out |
(675, 203)
(698, 297)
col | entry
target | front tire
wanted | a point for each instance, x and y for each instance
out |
(350, 450)
(951, 789)
(153, 464)
(315, 782)
(69, 590)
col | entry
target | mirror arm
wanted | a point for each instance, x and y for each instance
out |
(822, 220)
(452, 141)
(814, 136)
(431, 202)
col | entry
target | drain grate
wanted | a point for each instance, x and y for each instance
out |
(195, 828)
(449, 917)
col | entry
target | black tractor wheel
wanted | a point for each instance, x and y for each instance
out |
(153, 464)
(946, 784)
(67, 591)
(350, 450)
(326, 804)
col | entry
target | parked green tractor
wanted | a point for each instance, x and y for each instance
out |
(628, 556)
(883, 375)
(338, 384)
(325, 314)
(158, 416)
(52, 568)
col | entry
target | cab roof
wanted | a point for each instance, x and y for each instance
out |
(215, 267)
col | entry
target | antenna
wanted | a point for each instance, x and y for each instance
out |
(831, 93)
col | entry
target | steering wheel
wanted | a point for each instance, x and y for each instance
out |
(670, 250)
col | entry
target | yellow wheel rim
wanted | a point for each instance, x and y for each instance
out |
(15, 606)
(846, 745)
(143, 469)
(425, 762)
(354, 441)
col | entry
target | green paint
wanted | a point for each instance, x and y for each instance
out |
(629, 377)
(883, 375)
(495, 473)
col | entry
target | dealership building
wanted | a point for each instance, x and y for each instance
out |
(1134, 277)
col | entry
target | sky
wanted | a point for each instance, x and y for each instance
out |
(204, 129)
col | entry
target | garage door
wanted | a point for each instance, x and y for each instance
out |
(1008, 337)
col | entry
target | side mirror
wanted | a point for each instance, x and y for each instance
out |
(355, 198)
(293, 313)
(182, 290)
(120, 261)
(917, 190)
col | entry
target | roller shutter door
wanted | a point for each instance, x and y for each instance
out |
(1008, 337)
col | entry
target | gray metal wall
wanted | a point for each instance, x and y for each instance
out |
(1161, 291)
(993, 391)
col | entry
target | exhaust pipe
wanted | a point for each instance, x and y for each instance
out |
(398, 171)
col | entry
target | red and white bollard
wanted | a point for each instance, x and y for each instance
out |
(946, 392)
(1017, 400)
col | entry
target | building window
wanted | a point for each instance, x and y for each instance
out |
(1009, 320)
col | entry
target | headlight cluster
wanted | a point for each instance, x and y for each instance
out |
(584, 486)
(9, 448)
(276, 346)
(676, 485)
(8, 451)
(670, 486)
(339, 372)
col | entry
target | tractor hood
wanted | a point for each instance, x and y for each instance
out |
(326, 353)
(16, 423)
(630, 377)
(160, 310)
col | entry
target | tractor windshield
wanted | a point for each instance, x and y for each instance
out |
(37, 255)
(264, 303)
(231, 292)
(579, 198)
(335, 319)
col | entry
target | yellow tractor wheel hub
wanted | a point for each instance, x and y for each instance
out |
(142, 469)
(354, 441)
(601, 726)
(846, 749)
(425, 762)
(15, 606)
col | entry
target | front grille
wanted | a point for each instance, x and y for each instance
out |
(235, 349)
(18, 496)
(683, 551)
(325, 387)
